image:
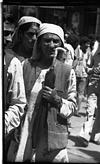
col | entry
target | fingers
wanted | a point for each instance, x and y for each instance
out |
(47, 92)
(47, 88)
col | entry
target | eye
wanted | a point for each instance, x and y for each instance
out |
(47, 40)
(56, 41)
(29, 34)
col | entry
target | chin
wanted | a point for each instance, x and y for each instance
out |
(51, 58)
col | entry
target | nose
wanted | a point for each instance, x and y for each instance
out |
(52, 44)
(34, 37)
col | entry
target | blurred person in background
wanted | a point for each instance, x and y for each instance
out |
(8, 30)
(71, 44)
(80, 67)
(90, 131)
(96, 44)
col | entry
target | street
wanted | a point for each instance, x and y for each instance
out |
(90, 154)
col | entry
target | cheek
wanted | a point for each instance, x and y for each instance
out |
(27, 41)
(24, 40)
(44, 49)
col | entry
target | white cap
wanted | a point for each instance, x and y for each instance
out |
(28, 19)
(51, 28)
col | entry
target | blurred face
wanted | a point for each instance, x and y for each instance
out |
(8, 31)
(49, 43)
(84, 47)
(30, 36)
(7, 37)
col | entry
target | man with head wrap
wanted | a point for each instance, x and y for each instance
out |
(51, 94)
(25, 36)
(14, 91)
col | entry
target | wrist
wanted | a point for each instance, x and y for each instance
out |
(58, 101)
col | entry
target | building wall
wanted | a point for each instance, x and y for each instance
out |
(79, 18)
(84, 23)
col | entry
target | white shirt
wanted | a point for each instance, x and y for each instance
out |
(18, 99)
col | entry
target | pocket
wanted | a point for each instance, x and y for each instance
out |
(57, 131)
(61, 128)
(57, 140)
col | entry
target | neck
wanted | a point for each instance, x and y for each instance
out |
(46, 63)
(21, 51)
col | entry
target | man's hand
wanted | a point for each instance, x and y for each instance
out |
(51, 95)
(47, 93)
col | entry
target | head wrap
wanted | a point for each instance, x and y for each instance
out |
(51, 28)
(47, 28)
(23, 20)
(28, 19)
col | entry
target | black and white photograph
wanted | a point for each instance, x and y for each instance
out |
(50, 81)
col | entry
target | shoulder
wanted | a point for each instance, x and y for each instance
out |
(15, 65)
(10, 57)
(15, 61)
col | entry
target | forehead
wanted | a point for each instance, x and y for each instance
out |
(34, 27)
(50, 36)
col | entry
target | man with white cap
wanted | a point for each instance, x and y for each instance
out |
(52, 99)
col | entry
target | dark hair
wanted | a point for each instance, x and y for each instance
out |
(26, 26)
(84, 39)
(73, 39)
(92, 38)
(19, 33)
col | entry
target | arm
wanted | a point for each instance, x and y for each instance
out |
(69, 104)
(65, 106)
(18, 99)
